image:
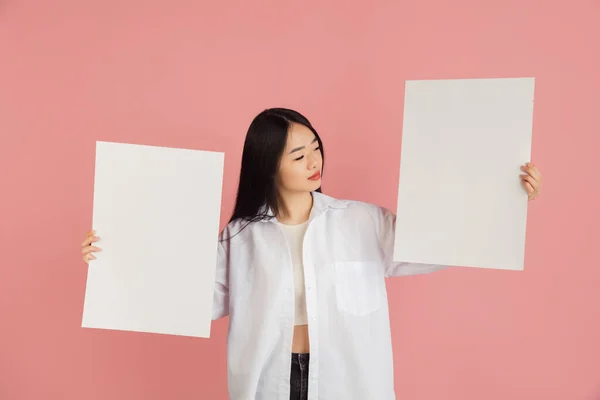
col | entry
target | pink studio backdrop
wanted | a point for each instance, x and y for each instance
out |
(193, 74)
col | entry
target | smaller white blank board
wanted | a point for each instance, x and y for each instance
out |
(460, 199)
(157, 213)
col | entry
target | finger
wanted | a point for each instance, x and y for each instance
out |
(90, 240)
(90, 249)
(528, 187)
(534, 171)
(531, 180)
(531, 171)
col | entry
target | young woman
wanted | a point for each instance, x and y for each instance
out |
(300, 273)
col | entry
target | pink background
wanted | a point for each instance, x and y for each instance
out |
(186, 74)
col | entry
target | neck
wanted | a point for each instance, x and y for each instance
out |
(294, 208)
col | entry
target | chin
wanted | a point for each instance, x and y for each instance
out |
(314, 186)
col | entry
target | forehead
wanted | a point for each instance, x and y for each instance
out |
(299, 135)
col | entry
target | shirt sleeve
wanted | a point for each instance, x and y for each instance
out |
(387, 232)
(220, 307)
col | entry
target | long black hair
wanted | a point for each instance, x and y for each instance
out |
(264, 145)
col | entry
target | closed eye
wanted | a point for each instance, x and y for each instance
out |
(301, 157)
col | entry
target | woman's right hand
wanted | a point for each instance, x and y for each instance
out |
(86, 247)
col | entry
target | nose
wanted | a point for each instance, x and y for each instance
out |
(313, 162)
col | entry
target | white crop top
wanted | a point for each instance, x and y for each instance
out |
(295, 237)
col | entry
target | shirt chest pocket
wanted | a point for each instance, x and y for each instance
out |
(359, 286)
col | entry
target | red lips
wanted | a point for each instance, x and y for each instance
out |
(316, 176)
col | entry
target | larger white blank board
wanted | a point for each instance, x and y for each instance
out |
(460, 200)
(156, 211)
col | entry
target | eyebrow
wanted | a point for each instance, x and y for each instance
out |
(301, 147)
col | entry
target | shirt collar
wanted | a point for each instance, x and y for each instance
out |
(321, 202)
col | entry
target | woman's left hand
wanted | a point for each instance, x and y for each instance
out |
(531, 180)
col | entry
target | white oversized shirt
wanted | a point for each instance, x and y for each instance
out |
(347, 253)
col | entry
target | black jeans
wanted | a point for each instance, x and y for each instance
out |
(299, 376)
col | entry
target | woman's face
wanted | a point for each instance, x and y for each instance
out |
(301, 162)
